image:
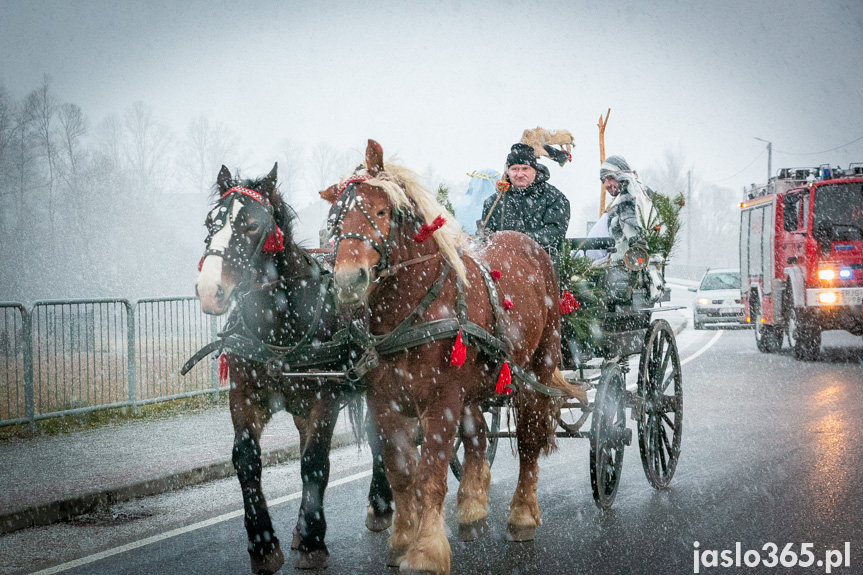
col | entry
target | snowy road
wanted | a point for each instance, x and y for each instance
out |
(772, 452)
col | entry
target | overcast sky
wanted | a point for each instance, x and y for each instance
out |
(452, 85)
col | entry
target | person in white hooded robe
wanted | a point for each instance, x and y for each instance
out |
(630, 205)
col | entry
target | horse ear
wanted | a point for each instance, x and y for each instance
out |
(374, 158)
(224, 180)
(268, 184)
(331, 194)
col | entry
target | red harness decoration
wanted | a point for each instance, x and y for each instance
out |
(459, 349)
(426, 230)
(223, 369)
(200, 264)
(273, 243)
(495, 274)
(247, 192)
(352, 180)
(503, 380)
(568, 303)
(507, 304)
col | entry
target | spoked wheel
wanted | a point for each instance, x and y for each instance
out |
(659, 409)
(492, 421)
(608, 435)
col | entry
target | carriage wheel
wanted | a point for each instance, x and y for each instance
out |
(492, 420)
(659, 410)
(608, 435)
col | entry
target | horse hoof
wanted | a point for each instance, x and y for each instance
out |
(394, 558)
(379, 522)
(295, 540)
(519, 533)
(473, 530)
(316, 559)
(269, 563)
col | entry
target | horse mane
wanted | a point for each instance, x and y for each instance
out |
(407, 194)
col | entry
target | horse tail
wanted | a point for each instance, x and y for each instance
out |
(574, 391)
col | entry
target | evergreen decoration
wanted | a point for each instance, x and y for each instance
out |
(443, 198)
(580, 277)
(663, 223)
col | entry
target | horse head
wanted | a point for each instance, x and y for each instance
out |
(243, 236)
(361, 221)
(379, 221)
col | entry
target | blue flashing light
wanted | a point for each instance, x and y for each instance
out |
(845, 273)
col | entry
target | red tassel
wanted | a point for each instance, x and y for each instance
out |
(459, 350)
(503, 380)
(507, 303)
(223, 369)
(426, 230)
(495, 275)
(568, 303)
(201, 264)
(273, 243)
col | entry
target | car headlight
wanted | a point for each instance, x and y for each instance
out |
(703, 301)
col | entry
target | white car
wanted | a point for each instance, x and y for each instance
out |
(717, 298)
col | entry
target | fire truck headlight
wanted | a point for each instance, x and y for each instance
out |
(845, 273)
(827, 297)
(703, 301)
(826, 274)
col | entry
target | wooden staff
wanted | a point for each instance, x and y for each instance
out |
(602, 124)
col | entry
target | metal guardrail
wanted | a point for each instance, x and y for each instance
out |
(62, 357)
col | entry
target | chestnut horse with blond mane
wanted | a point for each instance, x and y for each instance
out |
(380, 222)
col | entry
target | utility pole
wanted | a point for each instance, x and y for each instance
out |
(769, 158)
(689, 218)
(602, 125)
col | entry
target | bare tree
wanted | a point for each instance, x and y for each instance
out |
(205, 146)
(291, 169)
(146, 149)
(43, 107)
(73, 128)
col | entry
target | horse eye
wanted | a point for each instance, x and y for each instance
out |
(381, 213)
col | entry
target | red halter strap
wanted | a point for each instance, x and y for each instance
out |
(247, 192)
(352, 180)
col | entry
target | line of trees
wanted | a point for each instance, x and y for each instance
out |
(113, 208)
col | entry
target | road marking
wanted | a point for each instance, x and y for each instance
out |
(703, 349)
(182, 530)
(222, 518)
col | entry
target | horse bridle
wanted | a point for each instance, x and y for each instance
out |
(236, 193)
(346, 202)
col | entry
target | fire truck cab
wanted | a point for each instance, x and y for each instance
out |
(801, 257)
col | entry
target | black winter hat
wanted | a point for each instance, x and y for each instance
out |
(521, 154)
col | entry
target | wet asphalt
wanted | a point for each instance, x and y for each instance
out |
(772, 452)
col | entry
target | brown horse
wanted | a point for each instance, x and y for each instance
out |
(284, 319)
(380, 219)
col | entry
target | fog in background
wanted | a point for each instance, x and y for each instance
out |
(115, 116)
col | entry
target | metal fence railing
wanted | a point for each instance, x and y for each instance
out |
(61, 357)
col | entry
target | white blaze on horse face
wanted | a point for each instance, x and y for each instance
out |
(214, 295)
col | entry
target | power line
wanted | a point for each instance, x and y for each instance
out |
(744, 169)
(822, 151)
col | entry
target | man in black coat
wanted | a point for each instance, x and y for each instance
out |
(530, 204)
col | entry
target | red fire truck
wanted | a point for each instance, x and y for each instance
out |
(801, 257)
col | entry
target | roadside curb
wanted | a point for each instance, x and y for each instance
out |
(65, 509)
